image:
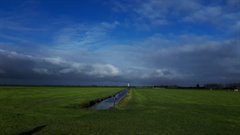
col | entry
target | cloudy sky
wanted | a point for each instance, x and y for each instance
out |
(112, 42)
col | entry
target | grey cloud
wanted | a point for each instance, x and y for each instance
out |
(20, 67)
(104, 70)
(151, 62)
(41, 70)
(2, 71)
(98, 70)
(166, 74)
(187, 59)
(206, 63)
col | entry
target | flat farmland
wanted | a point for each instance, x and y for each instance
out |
(58, 110)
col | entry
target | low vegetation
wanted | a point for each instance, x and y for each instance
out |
(48, 111)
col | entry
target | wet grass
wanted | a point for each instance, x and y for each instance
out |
(144, 111)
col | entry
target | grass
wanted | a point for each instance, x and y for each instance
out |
(25, 108)
(144, 111)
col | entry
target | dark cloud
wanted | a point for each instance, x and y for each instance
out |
(205, 63)
(184, 64)
(16, 67)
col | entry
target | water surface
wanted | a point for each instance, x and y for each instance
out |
(110, 102)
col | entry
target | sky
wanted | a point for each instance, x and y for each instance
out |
(115, 42)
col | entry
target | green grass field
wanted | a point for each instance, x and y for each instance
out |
(144, 111)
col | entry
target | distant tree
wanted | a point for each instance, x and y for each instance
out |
(197, 86)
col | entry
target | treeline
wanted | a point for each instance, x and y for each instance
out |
(213, 86)
(14, 85)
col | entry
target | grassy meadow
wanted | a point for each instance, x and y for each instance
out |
(58, 111)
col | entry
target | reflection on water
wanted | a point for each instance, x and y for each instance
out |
(110, 102)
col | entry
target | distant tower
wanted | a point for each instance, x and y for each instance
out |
(128, 85)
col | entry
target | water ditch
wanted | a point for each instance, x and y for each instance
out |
(111, 101)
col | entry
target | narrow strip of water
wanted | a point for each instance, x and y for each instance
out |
(110, 102)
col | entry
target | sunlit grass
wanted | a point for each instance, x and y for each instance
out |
(145, 111)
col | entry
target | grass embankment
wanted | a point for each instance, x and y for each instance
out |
(145, 111)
